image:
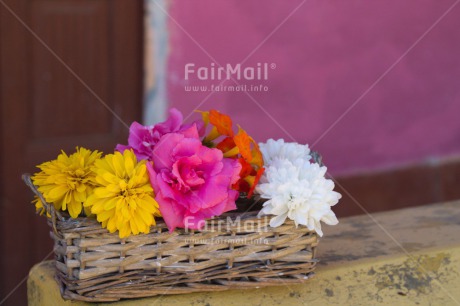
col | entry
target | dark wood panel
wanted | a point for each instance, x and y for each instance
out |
(85, 26)
(44, 108)
(413, 185)
(15, 246)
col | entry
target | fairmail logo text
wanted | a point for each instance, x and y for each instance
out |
(228, 72)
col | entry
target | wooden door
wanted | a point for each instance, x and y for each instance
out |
(60, 81)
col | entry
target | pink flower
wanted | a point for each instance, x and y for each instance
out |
(142, 139)
(191, 182)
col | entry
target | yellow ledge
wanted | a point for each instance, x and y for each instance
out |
(403, 257)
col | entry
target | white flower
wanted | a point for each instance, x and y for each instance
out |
(278, 149)
(298, 190)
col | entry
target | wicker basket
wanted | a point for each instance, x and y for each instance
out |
(96, 266)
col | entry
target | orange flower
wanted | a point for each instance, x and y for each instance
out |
(240, 146)
(243, 142)
(257, 158)
(246, 168)
(204, 117)
(222, 125)
(207, 141)
(254, 180)
(249, 178)
(222, 122)
(226, 145)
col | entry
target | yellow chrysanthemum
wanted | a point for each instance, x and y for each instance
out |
(124, 200)
(67, 181)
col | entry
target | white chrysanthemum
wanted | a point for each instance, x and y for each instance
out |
(299, 191)
(278, 149)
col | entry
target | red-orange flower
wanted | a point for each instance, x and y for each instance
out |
(254, 180)
(243, 142)
(226, 145)
(249, 178)
(257, 158)
(240, 146)
(222, 122)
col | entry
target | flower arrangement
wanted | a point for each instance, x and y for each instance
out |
(186, 174)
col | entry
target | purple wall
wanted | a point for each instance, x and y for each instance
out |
(327, 54)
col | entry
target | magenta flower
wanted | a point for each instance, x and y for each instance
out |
(142, 139)
(191, 182)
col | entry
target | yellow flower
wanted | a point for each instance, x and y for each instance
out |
(67, 181)
(124, 200)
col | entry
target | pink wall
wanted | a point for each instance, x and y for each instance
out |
(327, 54)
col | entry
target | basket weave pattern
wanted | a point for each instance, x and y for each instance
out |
(95, 265)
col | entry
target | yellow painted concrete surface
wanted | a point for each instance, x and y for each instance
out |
(404, 257)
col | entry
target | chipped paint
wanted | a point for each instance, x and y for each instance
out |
(413, 274)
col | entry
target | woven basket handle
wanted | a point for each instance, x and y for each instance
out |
(49, 208)
(317, 158)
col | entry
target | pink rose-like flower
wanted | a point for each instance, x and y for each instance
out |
(191, 182)
(142, 139)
